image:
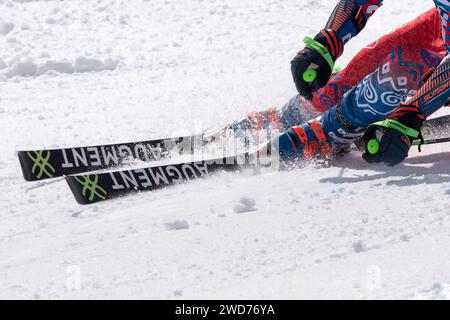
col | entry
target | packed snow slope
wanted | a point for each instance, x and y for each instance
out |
(90, 72)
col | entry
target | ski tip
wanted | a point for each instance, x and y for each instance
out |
(85, 190)
(38, 165)
(91, 188)
(26, 165)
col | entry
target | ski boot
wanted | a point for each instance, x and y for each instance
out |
(262, 126)
(307, 142)
(322, 139)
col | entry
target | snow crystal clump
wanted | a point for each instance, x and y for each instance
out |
(57, 66)
(245, 205)
(178, 293)
(83, 64)
(359, 246)
(50, 21)
(177, 225)
(25, 67)
(6, 27)
(124, 20)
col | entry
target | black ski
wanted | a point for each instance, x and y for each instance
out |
(92, 188)
(51, 163)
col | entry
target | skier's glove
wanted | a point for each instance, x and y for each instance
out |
(312, 67)
(389, 141)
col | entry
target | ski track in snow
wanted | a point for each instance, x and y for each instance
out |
(88, 72)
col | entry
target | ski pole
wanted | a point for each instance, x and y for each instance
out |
(374, 144)
(431, 141)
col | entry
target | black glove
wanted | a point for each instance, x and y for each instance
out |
(389, 141)
(312, 67)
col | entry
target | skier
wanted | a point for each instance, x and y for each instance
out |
(414, 64)
(299, 109)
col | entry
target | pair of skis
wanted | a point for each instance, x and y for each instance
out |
(80, 165)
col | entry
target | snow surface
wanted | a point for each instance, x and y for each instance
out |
(88, 72)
